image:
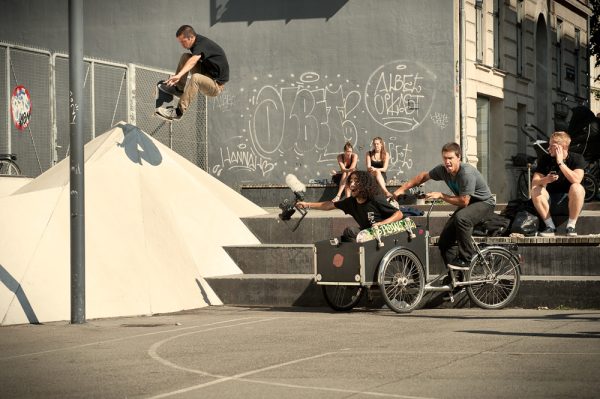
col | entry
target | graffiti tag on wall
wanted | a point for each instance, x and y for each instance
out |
(399, 95)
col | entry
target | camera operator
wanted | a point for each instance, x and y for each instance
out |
(365, 205)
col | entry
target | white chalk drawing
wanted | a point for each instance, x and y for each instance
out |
(242, 159)
(299, 123)
(223, 102)
(400, 158)
(439, 119)
(399, 95)
(74, 108)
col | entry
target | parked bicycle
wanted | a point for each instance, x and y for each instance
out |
(345, 271)
(8, 165)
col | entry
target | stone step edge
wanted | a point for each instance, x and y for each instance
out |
(310, 277)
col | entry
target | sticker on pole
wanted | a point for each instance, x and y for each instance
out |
(20, 107)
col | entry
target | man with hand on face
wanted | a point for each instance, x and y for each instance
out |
(470, 193)
(365, 204)
(556, 185)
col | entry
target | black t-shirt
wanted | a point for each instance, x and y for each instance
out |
(548, 163)
(214, 62)
(377, 209)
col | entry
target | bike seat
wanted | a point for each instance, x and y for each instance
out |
(12, 157)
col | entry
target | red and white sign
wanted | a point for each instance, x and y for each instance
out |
(20, 107)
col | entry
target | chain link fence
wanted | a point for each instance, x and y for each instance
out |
(112, 93)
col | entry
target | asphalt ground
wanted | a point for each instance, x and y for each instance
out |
(229, 352)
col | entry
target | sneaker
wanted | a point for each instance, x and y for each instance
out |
(548, 232)
(172, 90)
(571, 232)
(169, 114)
(394, 203)
(459, 264)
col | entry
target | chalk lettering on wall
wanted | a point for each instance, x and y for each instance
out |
(399, 95)
(242, 158)
(400, 158)
(439, 119)
(223, 102)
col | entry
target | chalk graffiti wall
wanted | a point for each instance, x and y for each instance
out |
(305, 89)
(299, 123)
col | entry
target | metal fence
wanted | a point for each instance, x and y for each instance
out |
(113, 92)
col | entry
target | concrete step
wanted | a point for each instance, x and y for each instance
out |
(319, 225)
(287, 290)
(274, 258)
(538, 260)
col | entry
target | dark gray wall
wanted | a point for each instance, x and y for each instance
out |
(306, 76)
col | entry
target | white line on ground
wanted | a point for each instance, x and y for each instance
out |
(152, 351)
(119, 339)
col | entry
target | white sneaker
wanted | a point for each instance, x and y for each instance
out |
(169, 114)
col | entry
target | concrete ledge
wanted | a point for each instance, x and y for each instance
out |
(319, 225)
(274, 259)
(300, 290)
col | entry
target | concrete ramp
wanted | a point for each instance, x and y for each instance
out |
(155, 228)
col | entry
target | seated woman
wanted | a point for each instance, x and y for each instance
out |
(347, 161)
(377, 164)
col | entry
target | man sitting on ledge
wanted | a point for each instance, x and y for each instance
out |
(556, 185)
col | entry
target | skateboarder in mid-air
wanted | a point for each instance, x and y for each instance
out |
(209, 70)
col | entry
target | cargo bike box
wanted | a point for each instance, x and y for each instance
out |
(357, 263)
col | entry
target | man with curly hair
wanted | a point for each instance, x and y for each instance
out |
(366, 205)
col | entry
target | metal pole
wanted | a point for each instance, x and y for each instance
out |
(76, 68)
(462, 66)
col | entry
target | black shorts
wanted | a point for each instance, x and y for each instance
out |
(559, 204)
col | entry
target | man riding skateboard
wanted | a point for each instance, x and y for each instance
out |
(209, 70)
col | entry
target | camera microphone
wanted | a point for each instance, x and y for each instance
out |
(296, 186)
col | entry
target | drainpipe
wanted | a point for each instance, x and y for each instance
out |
(462, 80)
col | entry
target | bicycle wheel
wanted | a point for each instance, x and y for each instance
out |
(401, 280)
(523, 186)
(342, 297)
(8, 167)
(499, 275)
(590, 185)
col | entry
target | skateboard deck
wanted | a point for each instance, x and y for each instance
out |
(385, 230)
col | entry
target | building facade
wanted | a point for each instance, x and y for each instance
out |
(526, 63)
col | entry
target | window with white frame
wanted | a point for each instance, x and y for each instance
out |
(520, 54)
(483, 136)
(497, 32)
(558, 56)
(479, 30)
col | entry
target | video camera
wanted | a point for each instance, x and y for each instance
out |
(289, 207)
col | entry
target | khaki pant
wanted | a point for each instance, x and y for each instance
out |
(198, 83)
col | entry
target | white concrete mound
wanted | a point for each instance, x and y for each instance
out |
(155, 227)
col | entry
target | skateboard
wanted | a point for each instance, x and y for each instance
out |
(375, 233)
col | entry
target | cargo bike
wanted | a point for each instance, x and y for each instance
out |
(395, 259)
